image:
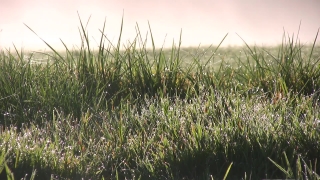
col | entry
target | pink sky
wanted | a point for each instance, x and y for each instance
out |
(201, 21)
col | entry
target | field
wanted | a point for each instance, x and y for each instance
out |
(181, 113)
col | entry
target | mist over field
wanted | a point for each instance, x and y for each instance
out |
(202, 22)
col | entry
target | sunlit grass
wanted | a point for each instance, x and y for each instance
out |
(179, 113)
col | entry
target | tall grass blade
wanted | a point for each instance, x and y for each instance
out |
(279, 167)
(58, 54)
(152, 39)
(2, 161)
(313, 45)
(84, 33)
(119, 39)
(215, 50)
(227, 172)
(298, 169)
(289, 171)
(9, 173)
(33, 175)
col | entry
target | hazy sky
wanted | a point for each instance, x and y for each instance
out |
(258, 22)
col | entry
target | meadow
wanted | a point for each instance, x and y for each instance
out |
(182, 113)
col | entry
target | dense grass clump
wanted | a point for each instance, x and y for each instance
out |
(139, 113)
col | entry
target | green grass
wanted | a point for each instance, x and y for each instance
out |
(179, 113)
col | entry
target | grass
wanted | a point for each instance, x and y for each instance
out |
(138, 113)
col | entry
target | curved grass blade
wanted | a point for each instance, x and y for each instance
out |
(61, 58)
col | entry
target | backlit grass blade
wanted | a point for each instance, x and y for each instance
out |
(58, 54)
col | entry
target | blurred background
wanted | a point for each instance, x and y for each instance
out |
(203, 22)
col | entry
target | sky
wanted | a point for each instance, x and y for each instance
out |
(202, 22)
